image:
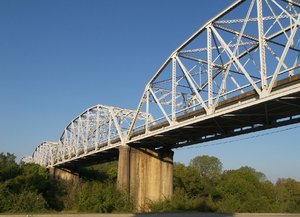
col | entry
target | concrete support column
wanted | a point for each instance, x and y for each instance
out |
(151, 176)
(123, 168)
(63, 174)
(146, 174)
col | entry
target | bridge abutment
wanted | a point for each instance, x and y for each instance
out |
(147, 174)
(63, 174)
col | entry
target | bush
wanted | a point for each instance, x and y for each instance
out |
(102, 198)
(29, 202)
(182, 202)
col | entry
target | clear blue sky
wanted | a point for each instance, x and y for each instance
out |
(59, 57)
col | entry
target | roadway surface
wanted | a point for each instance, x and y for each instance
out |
(158, 215)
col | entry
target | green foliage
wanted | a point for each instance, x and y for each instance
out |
(26, 188)
(103, 198)
(188, 179)
(29, 201)
(32, 177)
(26, 201)
(98, 192)
(23, 188)
(243, 191)
(288, 195)
(69, 195)
(182, 202)
(201, 186)
(101, 172)
(6, 198)
(209, 167)
(8, 167)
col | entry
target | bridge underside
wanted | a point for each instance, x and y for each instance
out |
(280, 111)
(238, 73)
(92, 159)
(273, 113)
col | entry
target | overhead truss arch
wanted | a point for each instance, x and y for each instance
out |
(248, 47)
(45, 153)
(98, 128)
(244, 57)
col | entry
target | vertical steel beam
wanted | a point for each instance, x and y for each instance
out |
(283, 56)
(147, 111)
(51, 155)
(209, 70)
(74, 139)
(109, 129)
(174, 80)
(97, 129)
(262, 52)
(87, 128)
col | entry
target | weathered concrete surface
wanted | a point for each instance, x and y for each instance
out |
(63, 174)
(151, 176)
(124, 168)
(159, 215)
(148, 175)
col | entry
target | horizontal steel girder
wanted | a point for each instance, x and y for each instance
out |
(237, 74)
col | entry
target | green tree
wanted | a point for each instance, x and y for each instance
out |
(209, 167)
(8, 167)
(97, 191)
(32, 177)
(6, 198)
(288, 195)
(26, 187)
(244, 190)
(188, 179)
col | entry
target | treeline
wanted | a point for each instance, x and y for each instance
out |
(204, 186)
(24, 188)
(27, 188)
(200, 186)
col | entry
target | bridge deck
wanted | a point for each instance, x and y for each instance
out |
(269, 114)
(265, 115)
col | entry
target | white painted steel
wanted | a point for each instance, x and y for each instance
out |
(249, 46)
(97, 129)
(233, 53)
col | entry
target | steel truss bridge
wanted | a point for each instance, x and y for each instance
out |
(237, 74)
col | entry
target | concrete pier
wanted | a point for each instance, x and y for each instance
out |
(147, 174)
(63, 174)
(124, 168)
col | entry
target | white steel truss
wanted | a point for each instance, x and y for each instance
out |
(45, 153)
(246, 50)
(250, 46)
(96, 129)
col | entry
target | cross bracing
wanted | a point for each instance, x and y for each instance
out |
(96, 129)
(45, 153)
(238, 73)
(247, 48)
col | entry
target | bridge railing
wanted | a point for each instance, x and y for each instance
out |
(96, 129)
(247, 49)
(247, 52)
